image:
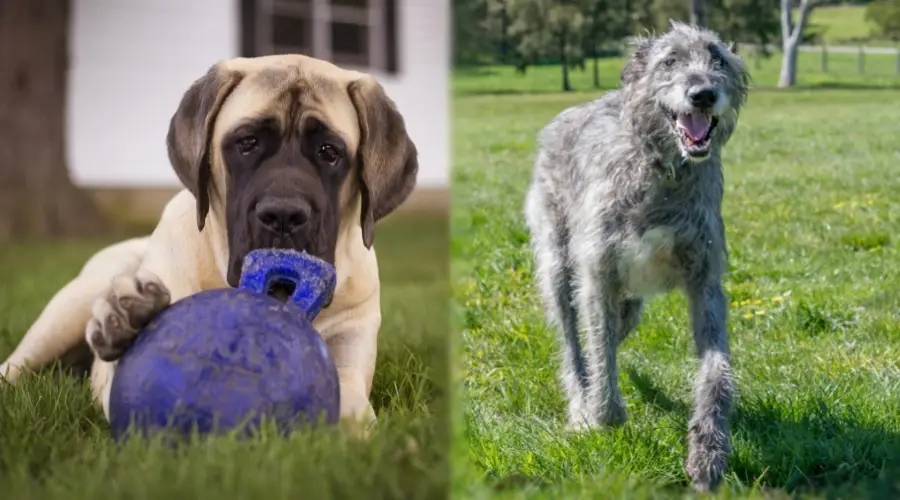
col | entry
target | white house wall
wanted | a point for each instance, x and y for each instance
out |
(132, 60)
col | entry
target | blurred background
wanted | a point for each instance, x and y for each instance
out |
(545, 45)
(87, 89)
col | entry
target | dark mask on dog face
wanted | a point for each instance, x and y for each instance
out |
(283, 188)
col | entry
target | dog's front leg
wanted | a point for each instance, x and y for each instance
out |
(353, 343)
(600, 317)
(133, 300)
(708, 440)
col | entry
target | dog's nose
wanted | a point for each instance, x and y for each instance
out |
(702, 97)
(284, 217)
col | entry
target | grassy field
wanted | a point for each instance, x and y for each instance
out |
(812, 216)
(54, 444)
(844, 25)
(880, 73)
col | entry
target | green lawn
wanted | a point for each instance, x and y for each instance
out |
(54, 444)
(844, 25)
(812, 212)
(880, 71)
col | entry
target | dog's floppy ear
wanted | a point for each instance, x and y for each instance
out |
(388, 158)
(637, 63)
(191, 129)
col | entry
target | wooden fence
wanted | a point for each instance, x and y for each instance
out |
(825, 50)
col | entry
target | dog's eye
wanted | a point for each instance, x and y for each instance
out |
(329, 154)
(247, 145)
(669, 62)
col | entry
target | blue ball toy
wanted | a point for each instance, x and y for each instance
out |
(225, 359)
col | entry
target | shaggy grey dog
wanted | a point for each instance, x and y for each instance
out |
(625, 203)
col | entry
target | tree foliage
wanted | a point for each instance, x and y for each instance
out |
(885, 16)
(571, 32)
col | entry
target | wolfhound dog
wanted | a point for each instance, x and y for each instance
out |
(625, 203)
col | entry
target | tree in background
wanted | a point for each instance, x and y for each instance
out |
(548, 28)
(606, 22)
(791, 36)
(698, 12)
(471, 36)
(37, 197)
(885, 15)
(754, 22)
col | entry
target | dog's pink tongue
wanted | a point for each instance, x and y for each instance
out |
(695, 124)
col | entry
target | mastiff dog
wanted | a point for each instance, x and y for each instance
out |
(281, 151)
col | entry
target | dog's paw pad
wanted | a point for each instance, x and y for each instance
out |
(133, 300)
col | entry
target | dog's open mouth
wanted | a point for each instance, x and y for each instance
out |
(694, 131)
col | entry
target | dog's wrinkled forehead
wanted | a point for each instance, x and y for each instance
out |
(290, 94)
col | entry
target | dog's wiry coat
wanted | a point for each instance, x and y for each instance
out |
(625, 204)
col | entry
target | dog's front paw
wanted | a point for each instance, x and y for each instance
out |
(133, 300)
(706, 460)
(583, 419)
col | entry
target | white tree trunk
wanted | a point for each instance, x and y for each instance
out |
(791, 35)
(788, 76)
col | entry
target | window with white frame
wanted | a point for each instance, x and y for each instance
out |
(352, 33)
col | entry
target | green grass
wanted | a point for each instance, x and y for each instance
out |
(812, 215)
(880, 72)
(55, 444)
(844, 25)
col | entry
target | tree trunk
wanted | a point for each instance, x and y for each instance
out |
(565, 63)
(504, 37)
(37, 197)
(791, 35)
(698, 12)
(788, 76)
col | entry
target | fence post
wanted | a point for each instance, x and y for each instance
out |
(860, 61)
(824, 59)
(898, 61)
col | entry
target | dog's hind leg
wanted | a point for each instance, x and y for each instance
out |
(630, 312)
(58, 332)
(553, 274)
(708, 440)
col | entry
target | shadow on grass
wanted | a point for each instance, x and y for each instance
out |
(814, 449)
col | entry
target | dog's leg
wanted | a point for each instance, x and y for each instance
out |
(630, 310)
(708, 440)
(133, 300)
(353, 352)
(59, 329)
(554, 277)
(352, 338)
(600, 311)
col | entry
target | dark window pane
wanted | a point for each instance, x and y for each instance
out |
(349, 39)
(351, 3)
(248, 28)
(291, 31)
(390, 24)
